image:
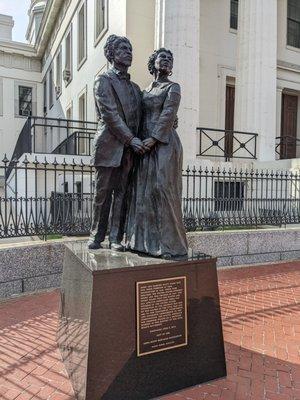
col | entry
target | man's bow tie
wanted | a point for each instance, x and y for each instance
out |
(123, 75)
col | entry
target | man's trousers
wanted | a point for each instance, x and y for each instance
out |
(111, 196)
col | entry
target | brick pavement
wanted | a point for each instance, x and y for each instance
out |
(261, 322)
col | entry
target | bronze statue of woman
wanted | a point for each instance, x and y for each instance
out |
(154, 222)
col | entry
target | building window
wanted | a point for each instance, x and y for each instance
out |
(45, 95)
(229, 196)
(25, 101)
(69, 113)
(1, 96)
(293, 23)
(67, 74)
(82, 139)
(58, 74)
(51, 88)
(100, 19)
(69, 117)
(82, 35)
(82, 107)
(234, 6)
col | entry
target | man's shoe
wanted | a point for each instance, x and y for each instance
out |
(116, 246)
(167, 256)
(92, 245)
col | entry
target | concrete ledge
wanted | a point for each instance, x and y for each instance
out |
(248, 247)
(32, 266)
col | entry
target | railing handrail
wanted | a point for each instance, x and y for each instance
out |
(74, 135)
(287, 137)
(227, 130)
(64, 119)
(26, 142)
(245, 146)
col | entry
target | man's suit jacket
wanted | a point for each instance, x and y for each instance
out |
(112, 133)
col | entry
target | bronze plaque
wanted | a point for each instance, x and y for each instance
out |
(161, 315)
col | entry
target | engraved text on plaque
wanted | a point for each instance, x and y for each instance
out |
(161, 315)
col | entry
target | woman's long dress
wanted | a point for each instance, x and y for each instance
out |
(154, 224)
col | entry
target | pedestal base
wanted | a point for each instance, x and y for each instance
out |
(105, 319)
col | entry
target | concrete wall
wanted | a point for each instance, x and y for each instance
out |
(18, 66)
(131, 18)
(32, 266)
(248, 247)
(136, 19)
(218, 45)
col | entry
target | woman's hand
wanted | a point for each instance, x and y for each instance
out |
(149, 143)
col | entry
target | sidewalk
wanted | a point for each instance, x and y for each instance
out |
(261, 322)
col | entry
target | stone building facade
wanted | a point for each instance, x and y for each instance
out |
(237, 61)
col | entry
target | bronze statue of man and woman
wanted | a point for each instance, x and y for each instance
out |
(137, 155)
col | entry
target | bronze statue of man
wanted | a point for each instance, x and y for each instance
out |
(118, 107)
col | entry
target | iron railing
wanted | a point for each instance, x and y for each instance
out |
(78, 143)
(227, 144)
(43, 198)
(287, 147)
(52, 135)
(222, 198)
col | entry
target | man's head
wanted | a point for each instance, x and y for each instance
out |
(118, 51)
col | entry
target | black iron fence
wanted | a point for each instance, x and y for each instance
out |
(43, 197)
(227, 144)
(222, 198)
(40, 197)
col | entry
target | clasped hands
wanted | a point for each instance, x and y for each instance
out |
(141, 147)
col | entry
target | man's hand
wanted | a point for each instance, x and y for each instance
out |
(137, 145)
(175, 125)
(149, 143)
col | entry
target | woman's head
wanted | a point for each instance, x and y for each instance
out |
(161, 61)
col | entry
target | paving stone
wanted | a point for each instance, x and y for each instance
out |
(261, 324)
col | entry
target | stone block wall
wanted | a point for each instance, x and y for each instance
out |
(28, 267)
(248, 247)
(34, 266)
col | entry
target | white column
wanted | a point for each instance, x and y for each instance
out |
(255, 104)
(177, 28)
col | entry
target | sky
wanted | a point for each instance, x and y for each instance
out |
(18, 10)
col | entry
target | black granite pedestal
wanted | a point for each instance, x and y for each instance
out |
(135, 328)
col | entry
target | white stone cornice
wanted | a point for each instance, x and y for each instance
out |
(288, 66)
(18, 48)
(48, 21)
(19, 61)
